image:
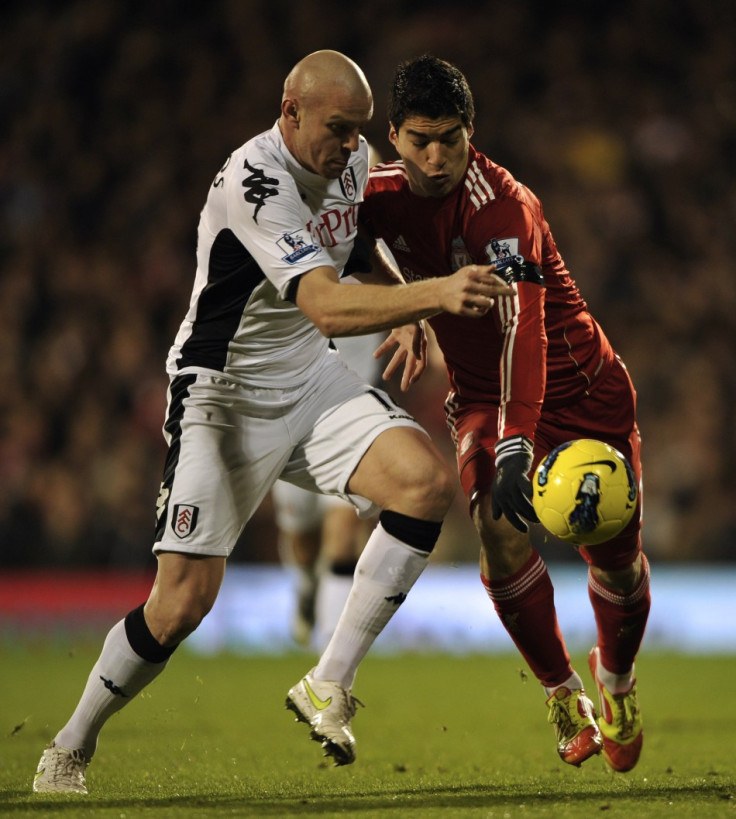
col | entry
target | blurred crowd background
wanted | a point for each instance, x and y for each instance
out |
(117, 114)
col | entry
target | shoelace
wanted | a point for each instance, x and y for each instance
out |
(352, 704)
(624, 717)
(66, 765)
(565, 715)
(561, 718)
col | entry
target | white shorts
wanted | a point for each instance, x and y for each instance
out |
(228, 443)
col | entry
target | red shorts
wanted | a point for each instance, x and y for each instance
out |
(607, 414)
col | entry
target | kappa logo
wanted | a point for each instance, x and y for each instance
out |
(348, 184)
(184, 519)
(258, 188)
(401, 245)
(296, 248)
(112, 688)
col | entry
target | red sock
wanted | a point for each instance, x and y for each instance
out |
(525, 603)
(621, 620)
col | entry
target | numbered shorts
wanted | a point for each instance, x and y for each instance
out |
(608, 414)
(228, 443)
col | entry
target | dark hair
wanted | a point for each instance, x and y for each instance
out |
(429, 87)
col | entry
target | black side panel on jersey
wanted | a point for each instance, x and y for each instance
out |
(360, 258)
(179, 393)
(232, 276)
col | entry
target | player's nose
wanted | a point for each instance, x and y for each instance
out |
(351, 141)
(435, 155)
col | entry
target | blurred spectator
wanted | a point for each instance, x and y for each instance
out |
(622, 117)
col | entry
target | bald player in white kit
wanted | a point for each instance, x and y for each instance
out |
(256, 393)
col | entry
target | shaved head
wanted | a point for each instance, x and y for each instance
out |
(326, 103)
(324, 72)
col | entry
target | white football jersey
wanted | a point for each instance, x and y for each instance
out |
(267, 221)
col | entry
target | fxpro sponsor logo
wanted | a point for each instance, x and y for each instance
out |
(296, 247)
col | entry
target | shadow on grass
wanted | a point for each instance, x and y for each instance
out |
(478, 796)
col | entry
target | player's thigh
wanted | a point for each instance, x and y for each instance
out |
(404, 471)
(474, 430)
(220, 465)
(332, 457)
(607, 414)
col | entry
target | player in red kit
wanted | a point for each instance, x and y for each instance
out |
(535, 371)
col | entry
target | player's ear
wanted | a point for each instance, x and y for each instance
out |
(290, 110)
(471, 130)
(393, 136)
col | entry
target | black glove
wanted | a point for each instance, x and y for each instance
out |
(511, 493)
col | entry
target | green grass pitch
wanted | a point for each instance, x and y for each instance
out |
(439, 736)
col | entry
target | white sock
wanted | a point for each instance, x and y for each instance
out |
(334, 590)
(615, 683)
(573, 683)
(384, 575)
(116, 678)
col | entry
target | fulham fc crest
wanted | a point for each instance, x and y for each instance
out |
(349, 185)
(184, 520)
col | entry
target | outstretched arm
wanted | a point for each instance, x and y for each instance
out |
(353, 311)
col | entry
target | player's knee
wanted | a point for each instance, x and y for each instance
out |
(503, 548)
(174, 620)
(421, 490)
(621, 580)
(435, 489)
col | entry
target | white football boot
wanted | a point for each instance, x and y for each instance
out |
(60, 770)
(327, 708)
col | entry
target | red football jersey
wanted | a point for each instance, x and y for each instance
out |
(539, 346)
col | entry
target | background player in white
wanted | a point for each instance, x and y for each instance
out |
(320, 537)
(257, 393)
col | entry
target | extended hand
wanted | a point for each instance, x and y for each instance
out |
(411, 343)
(471, 290)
